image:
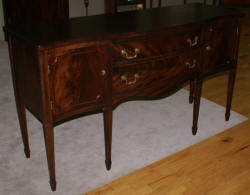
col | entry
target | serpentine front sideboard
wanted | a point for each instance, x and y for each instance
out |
(65, 68)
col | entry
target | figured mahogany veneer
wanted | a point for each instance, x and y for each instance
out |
(151, 45)
(65, 68)
(73, 76)
(156, 72)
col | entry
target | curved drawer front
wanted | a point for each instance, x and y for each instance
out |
(144, 47)
(145, 74)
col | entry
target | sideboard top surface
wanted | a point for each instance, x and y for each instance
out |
(101, 26)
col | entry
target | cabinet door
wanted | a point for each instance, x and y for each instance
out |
(77, 80)
(220, 44)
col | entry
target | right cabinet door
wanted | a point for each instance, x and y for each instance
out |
(220, 45)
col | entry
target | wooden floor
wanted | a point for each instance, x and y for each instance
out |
(219, 165)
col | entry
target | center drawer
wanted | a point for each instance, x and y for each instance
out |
(149, 73)
(156, 45)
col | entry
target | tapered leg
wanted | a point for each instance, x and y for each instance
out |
(191, 92)
(230, 89)
(198, 87)
(23, 126)
(49, 143)
(107, 116)
(19, 105)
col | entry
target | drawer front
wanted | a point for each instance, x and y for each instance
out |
(220, 44)
(146, 74)
(156, 45)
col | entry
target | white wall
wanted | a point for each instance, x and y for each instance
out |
(76, 8)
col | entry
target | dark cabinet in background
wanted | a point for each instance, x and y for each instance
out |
(111, 6)
(237, 3)
(31, 11)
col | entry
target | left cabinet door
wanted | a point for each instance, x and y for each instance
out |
(77, 80)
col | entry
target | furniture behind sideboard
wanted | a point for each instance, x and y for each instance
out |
(235, 3)
(112, 6)
(32, 11)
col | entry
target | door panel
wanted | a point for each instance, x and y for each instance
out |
(220, 40)
(77, 79)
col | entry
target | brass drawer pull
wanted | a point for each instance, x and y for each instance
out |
(193, 43)
(124, 78)
(191, 66)
(125, 54)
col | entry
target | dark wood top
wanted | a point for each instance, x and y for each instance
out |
(101, 26)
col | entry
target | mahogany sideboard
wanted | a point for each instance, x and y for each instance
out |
(61, 69)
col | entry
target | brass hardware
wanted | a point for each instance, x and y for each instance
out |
(103, 72)
(55, 61)
(125, 54)
(191, 66)
(98, 96)
(124, 78)
(193, 43)
(208, 48)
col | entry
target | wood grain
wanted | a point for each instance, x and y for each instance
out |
(219, 165)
